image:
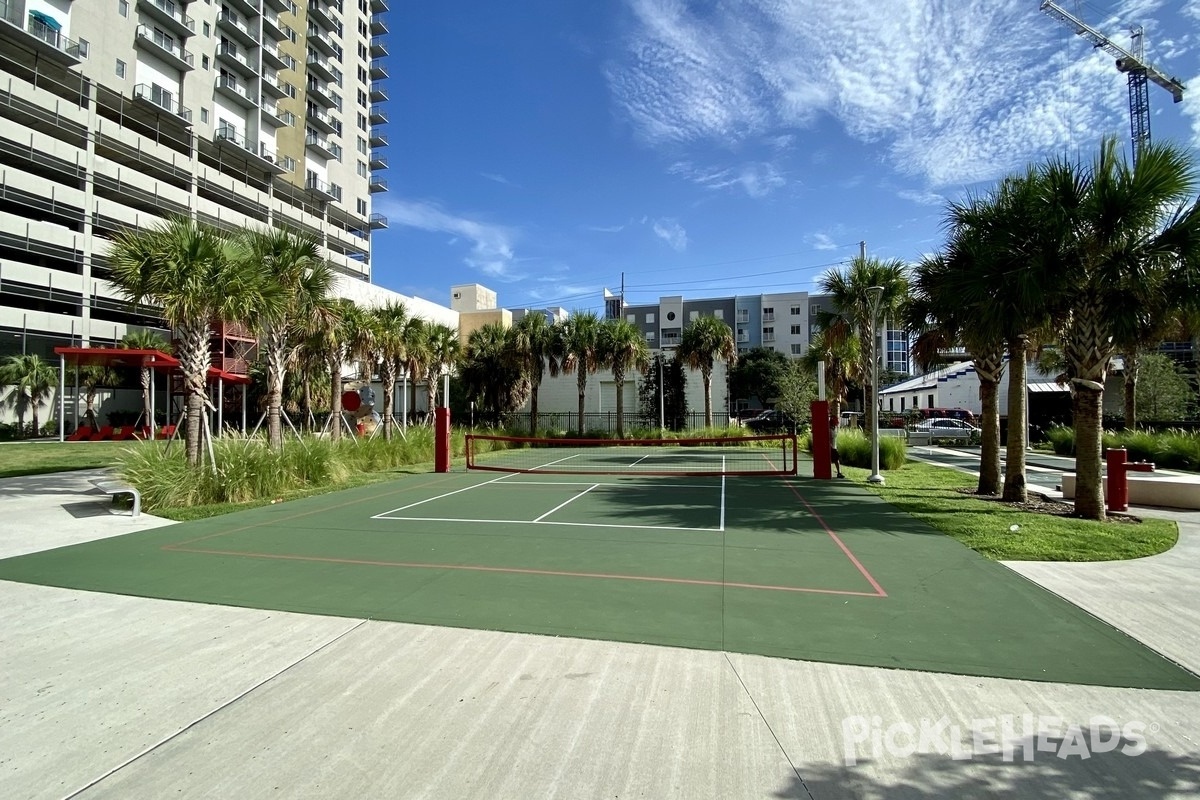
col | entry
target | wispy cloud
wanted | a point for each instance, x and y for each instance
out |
(921, 197)
(491, 176)
(957, 90)
(491, 246)
(604, 228)
(756, 179)
(671, 232)
(821, 241)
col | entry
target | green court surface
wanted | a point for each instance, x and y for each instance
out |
(777, 566)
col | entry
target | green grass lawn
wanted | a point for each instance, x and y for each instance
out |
(932, 495)
(40, 457)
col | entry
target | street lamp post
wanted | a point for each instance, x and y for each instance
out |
(874, 294)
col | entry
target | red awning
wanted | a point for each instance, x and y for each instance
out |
(116, 357)
(215, 374)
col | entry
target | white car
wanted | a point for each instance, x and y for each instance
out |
(946, 428)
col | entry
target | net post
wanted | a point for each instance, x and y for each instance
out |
(795, 456)
(441, 454)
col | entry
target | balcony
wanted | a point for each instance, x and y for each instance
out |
(272, 27)
(272, 85)
(378, 93)
(235, 90)
(271, 57)
(319, 119)
(320, 187)
(236, 57)
(277, 5)
(161, 98)
(322, 14)
(247, 7)
(743, 338)
(165, 47)
(379, 6)
(378, 221)
(377, 162)
(336, 149)
(319, 145)
(320, 93)
(170, 16)
(378, 26)
(44, 34)
(378, 47)
(375, 185)
(378, 116)
(228, 137)
(319, 65)
(271, 115)
(237, 27)
(377, 139)
(378, 70)
(322, 43)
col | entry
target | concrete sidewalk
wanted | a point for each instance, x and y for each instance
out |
(111, 696)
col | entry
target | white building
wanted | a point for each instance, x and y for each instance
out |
(116, 113)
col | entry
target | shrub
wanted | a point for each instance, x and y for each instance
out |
(854, 449)
(1062, 439)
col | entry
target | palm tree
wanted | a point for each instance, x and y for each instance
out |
(415, 337)
(624, 348)
(1123, 235)
(850, 295)
(533, 347)
(491, 375)
(92, 378)
(146, 340)
(842, 357)
(193, 272)
(703, 343)
(32, 380)
(355, 343)
(292, 261)
(388, 323)
(444, 353)
(580, 344)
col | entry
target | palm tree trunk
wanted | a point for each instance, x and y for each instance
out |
(306, 394)
(275, 345)
(581, 383)
(990, 369)
(388, 369)
(335, 395)
(706, 376)
(533, 407)
(1015, 489)
(620, 384)
(1133, 364)
(147, 414)
(1088, 349)
(194, 359)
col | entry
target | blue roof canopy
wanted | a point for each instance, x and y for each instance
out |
(47, 20)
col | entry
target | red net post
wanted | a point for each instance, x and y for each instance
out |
(441, 446)
(822, 469)
(1118, 486)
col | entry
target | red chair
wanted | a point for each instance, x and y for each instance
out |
(81, 433)
(123, 434)
(102, 434)
(166, 431)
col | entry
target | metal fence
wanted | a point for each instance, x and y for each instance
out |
(605, 422)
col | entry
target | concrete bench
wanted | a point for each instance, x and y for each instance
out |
(115, 486)
(1169, 491)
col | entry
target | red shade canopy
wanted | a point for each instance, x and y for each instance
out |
(116, 357)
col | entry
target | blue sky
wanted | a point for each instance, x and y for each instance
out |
(545, 147)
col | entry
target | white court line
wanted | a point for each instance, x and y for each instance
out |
(615, 485)
(640, 460)
(722, 494)
(555, 461)
(568, 524)
(569, 500)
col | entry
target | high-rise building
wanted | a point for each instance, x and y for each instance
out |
(117, 113)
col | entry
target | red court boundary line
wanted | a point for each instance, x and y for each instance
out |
(519, 571)
(879, 592)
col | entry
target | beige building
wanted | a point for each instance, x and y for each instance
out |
(116, 113)
(476, 307)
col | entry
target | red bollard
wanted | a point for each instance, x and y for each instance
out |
(820, 440)
(441, 442)
(1117, 495)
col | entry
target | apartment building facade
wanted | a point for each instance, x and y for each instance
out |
(117, 113)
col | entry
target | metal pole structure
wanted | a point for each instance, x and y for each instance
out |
(875, 293)
(662, 405)
(62, 398)
(221, 406)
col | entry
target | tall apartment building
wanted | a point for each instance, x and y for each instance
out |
(115, 113)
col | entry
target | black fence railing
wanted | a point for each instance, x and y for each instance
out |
(597, 422)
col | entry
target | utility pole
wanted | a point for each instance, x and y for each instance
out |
(1132, 62)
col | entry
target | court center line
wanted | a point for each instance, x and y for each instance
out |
(438, 497)
(569, 500)
(722, 528)
(539, 522)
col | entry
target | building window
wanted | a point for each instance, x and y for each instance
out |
(123, 7)
(796, 311)
(719, 313)
(362, 207)
(362, 145)
(204, 62)
(207, 29)
(649, 318)
(692, 315)
(650, 336)
(362, 169)
(289, 163)
(797, 330)
(768, 315)
(120, 68)
(768, 334)
(814, 309)
(797, 349)
(930, 399)
(631, 318)
(743, 315)
(204, 115)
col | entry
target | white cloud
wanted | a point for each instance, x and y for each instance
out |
(605, 228)
(757, 179)
(821, 241)
(921, 197)
(956, 91)
(491, 245)
(672, 233)
(491, 176)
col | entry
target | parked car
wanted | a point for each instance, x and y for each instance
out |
(949, 429)
(771, 421)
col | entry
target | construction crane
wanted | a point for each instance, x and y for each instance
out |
(1132, 63)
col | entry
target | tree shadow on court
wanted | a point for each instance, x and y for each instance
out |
(1061, 767)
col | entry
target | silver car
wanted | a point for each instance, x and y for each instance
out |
(946, 428)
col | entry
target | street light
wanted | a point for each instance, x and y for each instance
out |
(874, 294)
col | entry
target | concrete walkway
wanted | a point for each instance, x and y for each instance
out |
(111, 696)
